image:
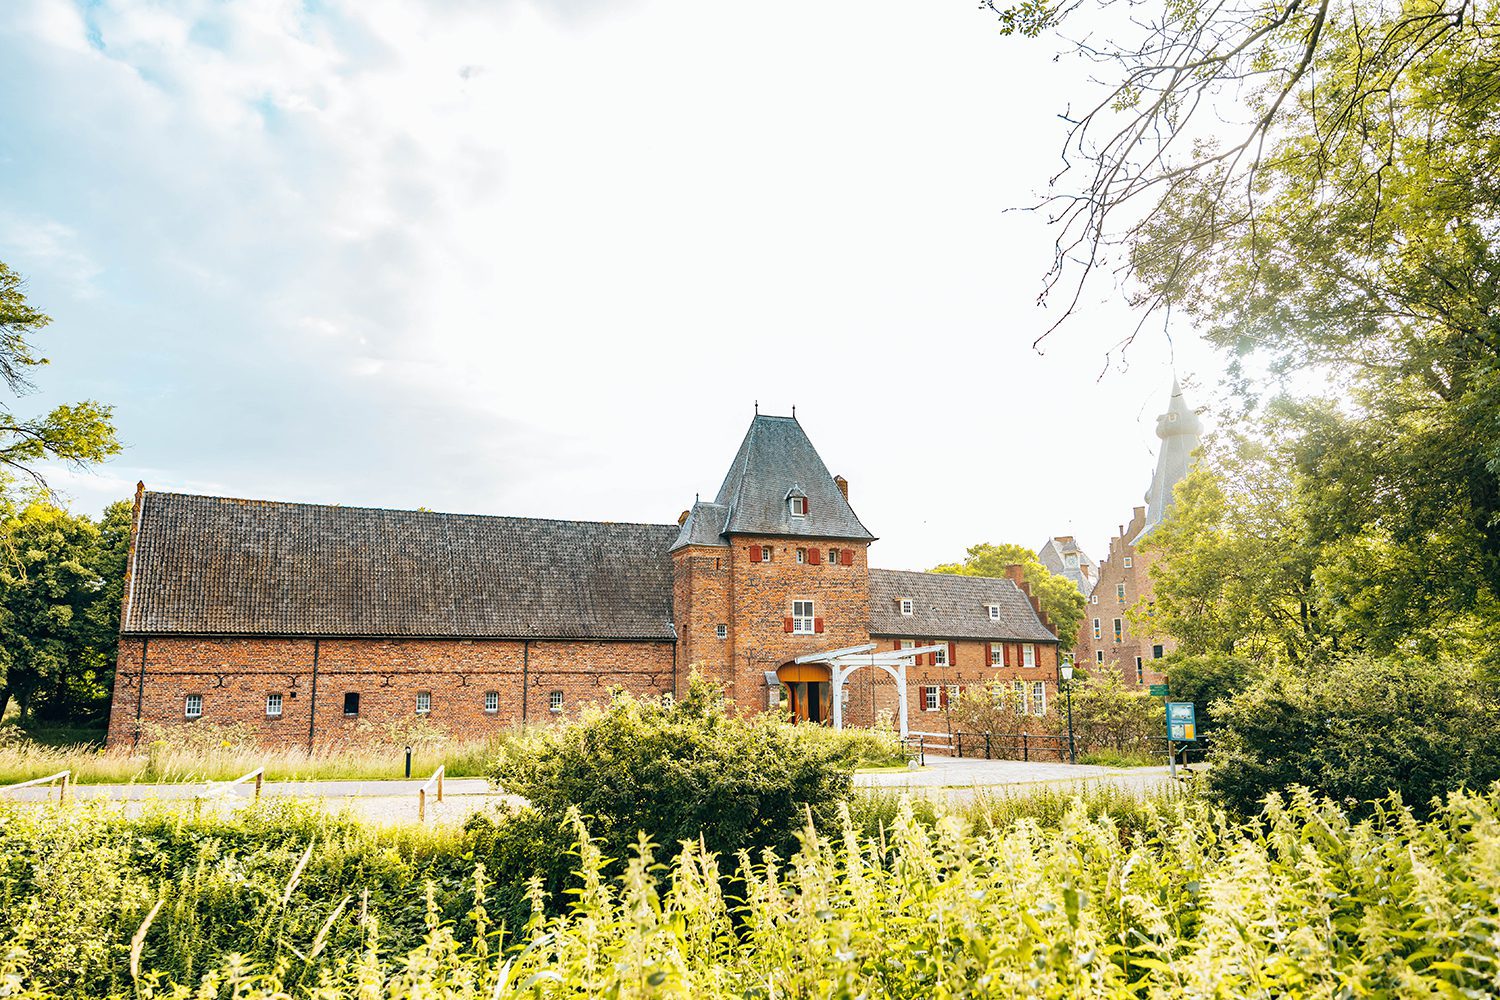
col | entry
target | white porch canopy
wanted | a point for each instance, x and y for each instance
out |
(843, 662)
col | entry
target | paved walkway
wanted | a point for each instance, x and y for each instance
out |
(967, 774)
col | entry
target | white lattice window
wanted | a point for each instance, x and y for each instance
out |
(424, 702)
(1028, 654)
(932, 698)
(803, 622)
(994, 612)
(1039, 698)
(721, 631)
(273, 705)
(940, 655)
(192, 706)
(492, 701)
(906, 606)
(1020, 690)
(555, 701)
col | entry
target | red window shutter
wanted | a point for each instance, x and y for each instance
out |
(932, 659)
(818, 625)
(1005, 653)
(896, 644)
(943, 696)
(755, 553)
(814, 556)
(846, 557)
(787, 623)
(952, 654)
(989, 653)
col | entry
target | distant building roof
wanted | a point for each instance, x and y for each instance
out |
(216, 566)
(1054, 555)
(949, 606)
(704, 526)
(1179, 429)
(774, 459)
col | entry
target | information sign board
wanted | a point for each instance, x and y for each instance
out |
(1181, 722)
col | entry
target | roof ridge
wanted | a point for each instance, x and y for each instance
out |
(401, 510)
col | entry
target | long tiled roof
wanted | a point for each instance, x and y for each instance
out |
(216, 566)
(947, 606)
(775, 458)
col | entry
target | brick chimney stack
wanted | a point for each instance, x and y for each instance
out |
(843, 485)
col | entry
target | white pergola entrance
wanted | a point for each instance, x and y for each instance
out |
(843, 662)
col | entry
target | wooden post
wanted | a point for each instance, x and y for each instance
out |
(440, 784)
(259, 776)
(62, 791)
(422, 804)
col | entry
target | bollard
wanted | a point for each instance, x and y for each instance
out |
(987, 746)
(960, 744)
(1025, 748)
(408, 762)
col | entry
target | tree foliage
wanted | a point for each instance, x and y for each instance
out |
(61, 576)
(1058, 596)
(80, 434)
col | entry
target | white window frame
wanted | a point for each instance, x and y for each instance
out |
(797, 506)
(424, 702)
(954, 694)
(1028, 654)
(1098, 628)
(1098, 656)
(932, 697)
(721, 631)
(804, 623)
(192, 706)
(997, 654)
(994, 612)
(940, 655)
(554, 701)
(801, 556)
(765, 553)
(1129, 562)
(1093, 598)
(1119, 629)
(1120, 592)
(1038, 697)
(1019, 687)
(907, 607)
(491, 702)
(273, 705)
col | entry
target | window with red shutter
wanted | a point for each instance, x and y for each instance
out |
(846, 557)
(989, 654)
(817, 626)
(952, 654)
(815, 556)
(755, 553)
(787, 623)
(1005, 652)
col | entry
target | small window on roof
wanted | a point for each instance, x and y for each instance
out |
(994, 612)
(798, 506)
(906, 607)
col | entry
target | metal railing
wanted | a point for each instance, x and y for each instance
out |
(437, 776)
(1032, 746)
(61, 777)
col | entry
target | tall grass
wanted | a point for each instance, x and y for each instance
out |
(158, 761)
(1302, 901)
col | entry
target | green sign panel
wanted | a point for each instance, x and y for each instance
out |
(1182, 722)
(1159, 691)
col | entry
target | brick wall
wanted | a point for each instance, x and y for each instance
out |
(700, 603)
(1135, 641)
(761, 595)
(234, 676)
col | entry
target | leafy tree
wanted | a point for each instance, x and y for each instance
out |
(81, 433)
(60, 588)
(1058, 596)
(1207, 679)
(1109, 715)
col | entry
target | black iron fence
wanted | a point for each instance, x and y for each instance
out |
(1035, 746)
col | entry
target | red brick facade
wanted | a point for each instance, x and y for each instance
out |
(1123, 591)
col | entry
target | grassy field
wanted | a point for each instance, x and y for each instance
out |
(1023, 895)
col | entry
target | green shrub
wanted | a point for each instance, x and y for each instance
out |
(1357, 730)
(1122, 758)
(681, 772)
(1206, 680)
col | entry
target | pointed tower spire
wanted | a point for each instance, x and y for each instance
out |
(1179, 429)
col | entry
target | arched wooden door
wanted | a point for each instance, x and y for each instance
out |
(808, 689)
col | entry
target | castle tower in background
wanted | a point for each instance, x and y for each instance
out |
(1106, 636)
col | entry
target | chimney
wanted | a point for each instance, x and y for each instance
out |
(1014, 572)
(682, 518)
(843, 485)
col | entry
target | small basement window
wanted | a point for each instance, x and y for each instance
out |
(906, 606)
(721, 631)
(555, 701)
(424, 702)
(273, 705)
(351, 702)
(192, 706)
(492, 701)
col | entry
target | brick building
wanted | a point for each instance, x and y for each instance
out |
(312, 623)
(1124, 581)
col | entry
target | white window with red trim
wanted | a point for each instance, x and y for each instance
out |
(940, 655)
(932, 698)
(953, 693)
(1028, 654)
(997, 654)
(804, 622)
(797, 506)
(760, 553)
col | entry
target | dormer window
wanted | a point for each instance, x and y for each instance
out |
(994, 612)
(906, 607)
(1072, 562)
(797, 505)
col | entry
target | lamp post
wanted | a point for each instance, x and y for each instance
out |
(1067, 676)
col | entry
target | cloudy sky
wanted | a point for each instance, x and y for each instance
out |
(543, 257)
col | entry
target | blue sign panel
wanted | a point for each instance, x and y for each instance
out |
(1182, 722)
